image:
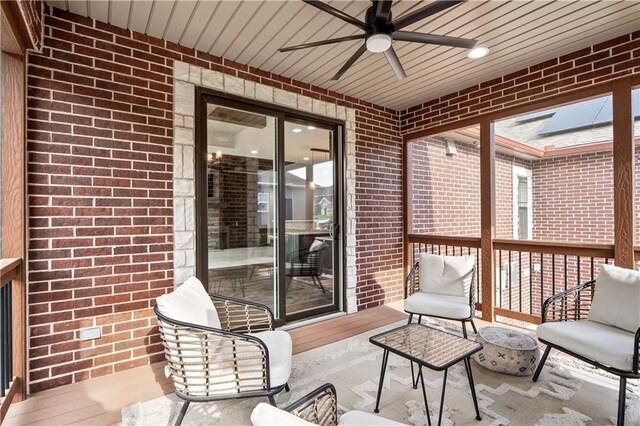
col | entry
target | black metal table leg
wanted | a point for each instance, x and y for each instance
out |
(385, 357)
(424, 395)
(414, 378)
(467, 366)
(444, 388)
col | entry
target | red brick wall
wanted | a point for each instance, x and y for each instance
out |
(100, 194)
(573, 198)
(446, 189)
(601, 62)
(378, 207)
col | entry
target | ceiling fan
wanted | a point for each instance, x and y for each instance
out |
(379, 30)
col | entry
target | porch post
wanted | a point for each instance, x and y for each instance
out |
(623, 175)
(487, 216)
(13, 218)
(407, 212)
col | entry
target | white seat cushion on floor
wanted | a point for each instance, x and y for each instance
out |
(280, 349)
(361, 418)
(268, 415)
(438, 305)
(602, 343)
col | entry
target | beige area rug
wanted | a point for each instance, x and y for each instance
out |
(568, 392)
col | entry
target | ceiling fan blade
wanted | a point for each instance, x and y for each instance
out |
(337, 13)
(382, 13)
(424, 12)
(322, 43)
(433, 39)
(350, 62)
(393, 60)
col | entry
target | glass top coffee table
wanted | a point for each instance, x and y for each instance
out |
(431, 348)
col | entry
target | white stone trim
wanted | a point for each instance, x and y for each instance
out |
(186, 78)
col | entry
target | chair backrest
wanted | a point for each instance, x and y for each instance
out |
(616, 299)
(318, 407)
(315, 254)
(446, 275)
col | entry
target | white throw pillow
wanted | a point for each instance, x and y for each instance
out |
(268, 415)
(616, 300)
(317, 245)
(447, 275)
(189, 303)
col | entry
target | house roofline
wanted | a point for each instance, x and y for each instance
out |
(546, 152)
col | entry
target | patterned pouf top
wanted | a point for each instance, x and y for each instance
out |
(508, 339)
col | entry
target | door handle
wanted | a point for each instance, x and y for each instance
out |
(335, 231)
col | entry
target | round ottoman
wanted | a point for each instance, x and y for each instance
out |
(507, 351)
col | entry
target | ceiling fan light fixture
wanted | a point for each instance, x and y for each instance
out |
(477, 52)
(378, 42)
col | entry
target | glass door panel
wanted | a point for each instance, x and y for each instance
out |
(242, 195)
(309, 217)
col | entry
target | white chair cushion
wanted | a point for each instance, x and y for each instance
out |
(616, 300)
(438, 305)
(189, 303)
(280, 349)
(602, 343)
(448, 275)
(364, 419)
(268, 415)
(317, 245)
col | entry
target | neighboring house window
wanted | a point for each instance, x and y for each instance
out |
(263, 202)
(522, 196)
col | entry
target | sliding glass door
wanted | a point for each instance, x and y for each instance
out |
(268, 210)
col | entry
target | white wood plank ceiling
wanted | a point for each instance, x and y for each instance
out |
(518, 33)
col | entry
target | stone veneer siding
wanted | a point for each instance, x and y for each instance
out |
(101, 188)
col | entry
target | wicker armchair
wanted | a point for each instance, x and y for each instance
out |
(307, 263)
(220, 348)
(432, 300)
(319, 407)
(570, 325)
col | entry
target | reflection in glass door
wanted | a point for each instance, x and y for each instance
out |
(242, 205)
(309, 222)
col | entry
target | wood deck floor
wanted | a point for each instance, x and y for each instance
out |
(99, 401)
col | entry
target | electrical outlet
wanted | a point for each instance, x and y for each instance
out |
(90, 333)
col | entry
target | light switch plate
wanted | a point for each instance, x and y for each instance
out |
(90, 333)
